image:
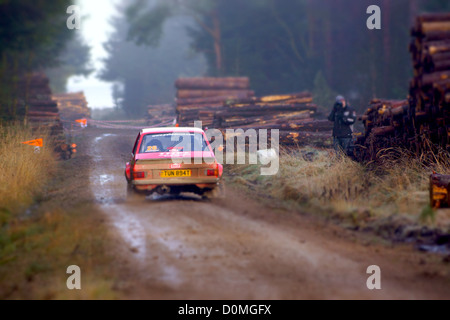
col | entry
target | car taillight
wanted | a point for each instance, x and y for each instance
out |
(139, 175)
(127, 171)
(212, 172)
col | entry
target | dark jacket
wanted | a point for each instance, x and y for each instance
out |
(343, 119)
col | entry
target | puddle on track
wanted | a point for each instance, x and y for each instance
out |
(107, 185)
(104, 187)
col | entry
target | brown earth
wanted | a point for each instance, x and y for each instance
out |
(240, 247)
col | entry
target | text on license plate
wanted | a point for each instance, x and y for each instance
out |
(175, 173)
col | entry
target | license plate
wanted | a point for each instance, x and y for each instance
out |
(175, 173)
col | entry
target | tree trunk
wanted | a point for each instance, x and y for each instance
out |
(328, 51)
(413, 10)
(311, 26)
(386, 45)
(373, 68)
(217, 35)
(232, 83)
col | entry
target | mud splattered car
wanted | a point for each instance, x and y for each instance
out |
(173, 160)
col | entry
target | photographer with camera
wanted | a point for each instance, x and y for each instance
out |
(344, 117)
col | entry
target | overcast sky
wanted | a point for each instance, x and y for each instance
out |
(95, 28)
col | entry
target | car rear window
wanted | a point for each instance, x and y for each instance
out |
(173, 142)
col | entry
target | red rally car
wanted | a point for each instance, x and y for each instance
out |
(173, 160)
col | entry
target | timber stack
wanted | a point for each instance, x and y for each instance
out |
(72, 106)
(422, 123)
(160, 114)
(201, 98)
(294, 115)
(430, 88)
(41, 111)
(387, 124)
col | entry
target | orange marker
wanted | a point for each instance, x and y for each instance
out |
(83, 122)
(36, 142)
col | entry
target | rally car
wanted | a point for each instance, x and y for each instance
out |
(173, 160)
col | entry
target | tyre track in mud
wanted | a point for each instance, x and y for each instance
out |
(235, 248)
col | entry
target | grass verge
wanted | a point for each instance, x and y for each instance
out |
(24, 173)
(388, 197)
(49, 222)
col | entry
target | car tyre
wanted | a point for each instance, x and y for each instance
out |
(216, 193)
(132, 194)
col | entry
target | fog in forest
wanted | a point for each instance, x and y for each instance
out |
(283, 46)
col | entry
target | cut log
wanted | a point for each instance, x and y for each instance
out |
(437, 47)
(433, 17)
(447, 98)
(436, 36)
(270, 108)
(205, 106)
(429, 79)
(213, 83)
(439, 26)
(192, 94)
(279, 98)
(400, 110)
(43, 114)
(216, 99)
(320, 139)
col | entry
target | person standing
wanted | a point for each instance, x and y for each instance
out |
(344, 118)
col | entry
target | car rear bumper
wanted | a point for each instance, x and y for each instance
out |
(199, 188)
(176, 181)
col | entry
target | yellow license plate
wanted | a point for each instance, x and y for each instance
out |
(175, 173)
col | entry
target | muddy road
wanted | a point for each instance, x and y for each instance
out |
(237, 248)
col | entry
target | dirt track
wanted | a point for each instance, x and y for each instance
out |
(237, 248)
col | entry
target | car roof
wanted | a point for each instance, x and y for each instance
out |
(172, 129)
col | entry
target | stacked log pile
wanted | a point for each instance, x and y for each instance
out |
(157, 114)
(422, 123)
(72, 106)
(41, 109)
(430, 88)
(293, 115)
(387, 124)
(201, 98)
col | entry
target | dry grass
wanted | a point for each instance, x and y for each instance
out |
(47, 223)
(36, 252)
(23, 173)
(339, 187)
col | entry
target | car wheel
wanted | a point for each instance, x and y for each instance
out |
(221, 190)
(216, 193)
(132, 194)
